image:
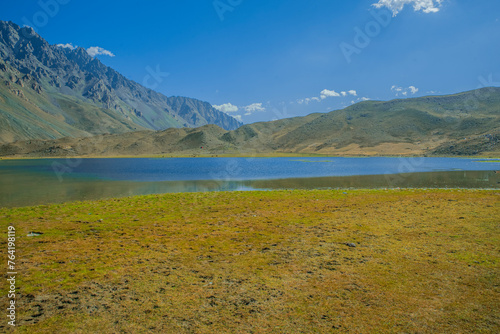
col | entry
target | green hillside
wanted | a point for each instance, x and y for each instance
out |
(438, 125)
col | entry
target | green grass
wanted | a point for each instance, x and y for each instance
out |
(262, 262)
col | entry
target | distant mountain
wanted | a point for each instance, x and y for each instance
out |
(461, 124)
(415, 125)
(48, 91)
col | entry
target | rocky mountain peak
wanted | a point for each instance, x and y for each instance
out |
(77, 75)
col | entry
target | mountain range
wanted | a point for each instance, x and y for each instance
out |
(48, 91)
(461, 124)
(57, 101)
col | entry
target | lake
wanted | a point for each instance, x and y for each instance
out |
(42, 181)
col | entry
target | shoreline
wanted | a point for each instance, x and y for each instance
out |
(54, 187)
(200, 194)
(249, 156)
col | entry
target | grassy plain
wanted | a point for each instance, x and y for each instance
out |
(425, 261)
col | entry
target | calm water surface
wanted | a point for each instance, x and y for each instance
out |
(41, 181)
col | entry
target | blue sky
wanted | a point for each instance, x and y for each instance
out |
(260, 60)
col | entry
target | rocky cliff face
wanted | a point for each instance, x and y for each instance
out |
(56, 80)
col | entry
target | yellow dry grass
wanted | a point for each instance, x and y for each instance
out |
(262, 262)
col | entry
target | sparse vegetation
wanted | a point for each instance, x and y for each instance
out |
(437, 126)
(262, 262)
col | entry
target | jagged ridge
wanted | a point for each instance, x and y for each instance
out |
(45, 80)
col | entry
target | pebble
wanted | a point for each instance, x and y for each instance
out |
(351, 244)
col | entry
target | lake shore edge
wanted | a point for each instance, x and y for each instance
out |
(250, 156)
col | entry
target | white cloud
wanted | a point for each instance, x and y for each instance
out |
(238, 118)
(331, 93)
(308, 99)
(427, 6)
(227, 108)
(67, 46)
(365, 99)
(325, 93)
(398, 91)
(328, 93)
(254, 107)
(96, 50)
(92, 51)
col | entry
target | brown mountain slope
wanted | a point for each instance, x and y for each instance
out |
(444, 125)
